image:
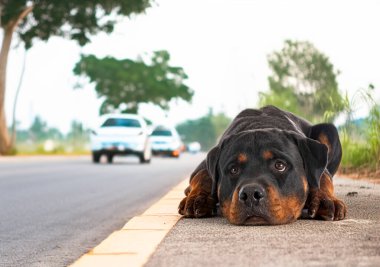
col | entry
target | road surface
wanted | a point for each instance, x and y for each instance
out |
(52, 210)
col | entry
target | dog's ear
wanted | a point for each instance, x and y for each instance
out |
(327, 134)
(314, 155)
(212, 168)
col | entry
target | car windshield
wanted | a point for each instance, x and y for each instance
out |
(121, 122)
(161, 132)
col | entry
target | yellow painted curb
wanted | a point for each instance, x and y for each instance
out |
(138, 239)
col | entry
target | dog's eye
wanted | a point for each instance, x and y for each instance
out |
(234, 170)
(280, 166)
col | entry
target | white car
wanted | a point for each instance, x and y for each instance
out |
(166, 140)
(121, 134)
(194, 147)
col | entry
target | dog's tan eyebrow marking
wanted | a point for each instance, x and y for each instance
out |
(242, 158)
(267, 154)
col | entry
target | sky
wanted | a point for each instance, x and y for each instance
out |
(222, 45)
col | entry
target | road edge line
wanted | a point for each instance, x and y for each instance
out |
(139, 238)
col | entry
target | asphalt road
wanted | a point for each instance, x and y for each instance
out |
(52, 210)
(354, 241)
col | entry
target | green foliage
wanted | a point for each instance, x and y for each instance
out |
(361, 144)
(205, 130)
(355, 154)
(74, 19)
(40, 131)
(33, 140)
(303, 81)
(220, 122)
(283, 98)
(78, 136)
(126, 83)
(373, 134)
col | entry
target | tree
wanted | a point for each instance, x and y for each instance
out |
(205, 130)
(126, 83)
(41, 19)
(78, 135)
(39, 131)
(304, 82)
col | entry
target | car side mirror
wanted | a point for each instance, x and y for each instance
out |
(149, 130)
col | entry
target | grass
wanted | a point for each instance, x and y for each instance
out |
(59, 148)
(361, 151)
(357, 155)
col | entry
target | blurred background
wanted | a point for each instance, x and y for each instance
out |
(82, 81)
(193, 65)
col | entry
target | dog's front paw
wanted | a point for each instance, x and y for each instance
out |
(322, 205)
(197, 204)
(198, 201)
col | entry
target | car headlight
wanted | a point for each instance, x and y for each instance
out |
(175, 145)
(96, 145)
(138, 144)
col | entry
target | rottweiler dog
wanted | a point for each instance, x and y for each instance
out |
(268, 167)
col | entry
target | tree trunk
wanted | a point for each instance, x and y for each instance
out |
(5, 144)
(14, 130)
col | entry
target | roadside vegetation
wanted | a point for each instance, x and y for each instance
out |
(361, 137)
(205, 130)
(304, 81)
(40, 139)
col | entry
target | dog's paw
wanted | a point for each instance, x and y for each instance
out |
(324, 206)
(197, 206)
(198, 201)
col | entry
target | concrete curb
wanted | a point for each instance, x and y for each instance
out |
(138, 239)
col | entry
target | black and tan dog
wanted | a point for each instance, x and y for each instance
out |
(268, 166)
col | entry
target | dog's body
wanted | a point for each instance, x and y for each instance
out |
(268, 165)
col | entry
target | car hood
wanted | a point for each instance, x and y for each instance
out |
(162, 138)
(108, 131)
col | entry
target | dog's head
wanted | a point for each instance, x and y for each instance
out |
(262, 176)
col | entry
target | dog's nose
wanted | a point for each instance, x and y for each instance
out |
(251, 193)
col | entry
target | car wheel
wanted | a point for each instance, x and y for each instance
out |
(96, 157)
(146, 156)
(109, 158)
(142, 158)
